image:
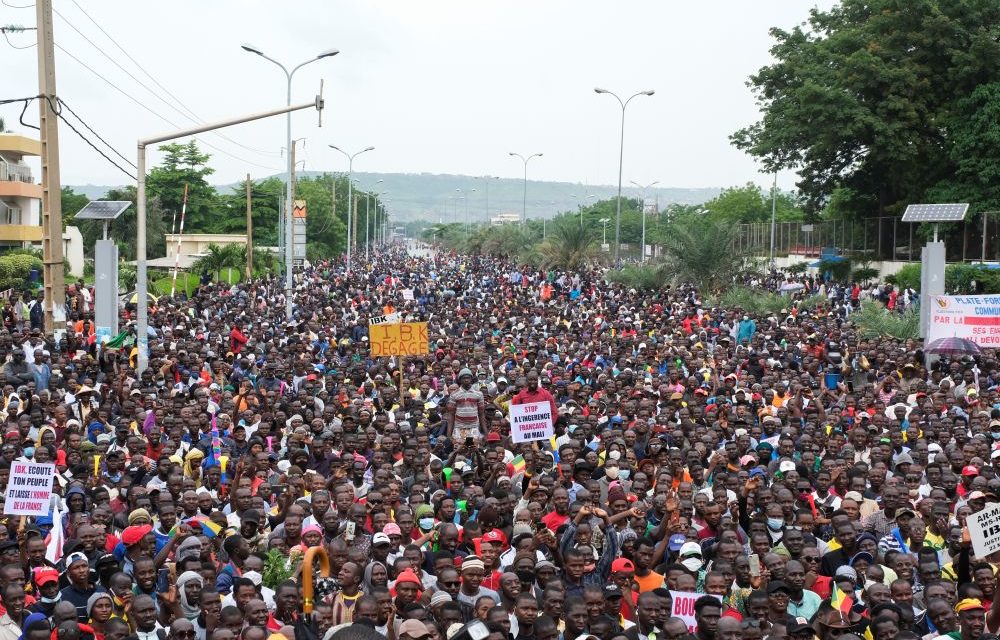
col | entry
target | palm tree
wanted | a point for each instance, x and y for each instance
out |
(702, 252)
(568, 246)
(214, 261)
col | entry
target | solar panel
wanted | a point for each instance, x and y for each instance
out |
(103, 210)
(935, 212)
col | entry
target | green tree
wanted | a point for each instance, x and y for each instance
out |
(860, 98)
(750, 203)
(568, 246)
(72, 202)
(703, 252)
(218, 258)
(185, 164)
(326, 232)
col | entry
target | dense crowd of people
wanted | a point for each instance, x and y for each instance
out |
(711, 473)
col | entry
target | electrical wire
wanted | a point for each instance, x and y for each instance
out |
(62, 103)
(151, 111)
(59, 114)
(190, 114)
(14, 6)
(7, 38)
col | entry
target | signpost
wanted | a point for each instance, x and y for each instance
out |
(299, 231)
(530, 422)
(389, 318)
(975, 318)
(984, 530)
(684, 607)
(400, 339)
(29, 489)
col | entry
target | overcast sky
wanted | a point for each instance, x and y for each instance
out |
(435, 86)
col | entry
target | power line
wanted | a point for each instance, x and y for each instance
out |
(15, 6)
(151, 111)
(90, 129)
(59, 114)
(190, 114)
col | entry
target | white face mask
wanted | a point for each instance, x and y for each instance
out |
(693, 564)
(611, 472)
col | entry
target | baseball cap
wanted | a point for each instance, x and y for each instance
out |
(612, 591)
(622, 564)
(690, 549)
(677, 541)
(798, 626)
(969, 471)
(46, 575)
(380, 538)
(778, 585)
(132, 535)
(413, 629)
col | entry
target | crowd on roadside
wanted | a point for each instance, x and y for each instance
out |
(711, 474)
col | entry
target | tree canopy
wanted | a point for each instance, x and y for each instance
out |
(877, 103)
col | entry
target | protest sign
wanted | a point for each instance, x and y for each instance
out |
(531, 422)
(400, 339)
(684, 607)
(407, 294)
(29, 489)
(984, 530)
(389, 318)
(975, 318)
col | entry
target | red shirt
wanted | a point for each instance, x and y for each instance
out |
(553, 521)
(539, 395)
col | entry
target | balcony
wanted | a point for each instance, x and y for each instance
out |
(10, 172)
(20, 233)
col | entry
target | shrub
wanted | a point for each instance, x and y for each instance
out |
(864, 274)
(15, 270)
(798, 267)
(873, 320)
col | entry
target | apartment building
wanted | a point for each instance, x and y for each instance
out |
(20, 195)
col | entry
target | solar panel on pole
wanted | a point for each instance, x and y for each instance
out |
(935, 212)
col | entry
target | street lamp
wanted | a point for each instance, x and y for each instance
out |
(289, 240)
(581, 206)
(621, 155)
(486, 181)
(642, 189)
(350, 194)
(605, 222)
(524, 205)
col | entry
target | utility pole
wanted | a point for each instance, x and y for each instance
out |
(354, 229)
(249, 232)
(52, 247)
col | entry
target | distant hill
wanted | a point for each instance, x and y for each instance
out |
(431, 197)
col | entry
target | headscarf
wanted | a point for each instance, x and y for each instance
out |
(189, 610)
(92, 600)
(41, 432)
(191, 462)
(366, 581)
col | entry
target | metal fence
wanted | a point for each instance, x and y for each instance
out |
(878, 239)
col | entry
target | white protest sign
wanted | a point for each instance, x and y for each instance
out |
(407, 294)
(984, 530)
(684, 607)
(29, 489)
(531, 422)
(975, 318)
(389, 318)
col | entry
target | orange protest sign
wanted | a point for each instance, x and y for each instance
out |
(402, 339)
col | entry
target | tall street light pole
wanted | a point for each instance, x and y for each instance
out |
(141, 284)
(774, 211)
(621, 155)
(289, 240)
(350, 194)
(643, 188)
(486, 181)
(524, 203)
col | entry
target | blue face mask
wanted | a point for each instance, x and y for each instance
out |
(426, 524)
(775, 524)
(623, 474)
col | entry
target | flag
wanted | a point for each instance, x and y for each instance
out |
(54, 541)
(209, 528)
(555, 449)
(518, 463)
(841, 601)
(119, 341)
